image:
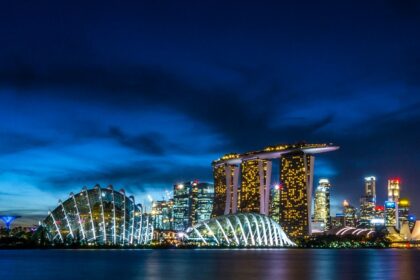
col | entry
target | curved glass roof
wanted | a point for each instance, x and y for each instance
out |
(99, 216)
(242, 229)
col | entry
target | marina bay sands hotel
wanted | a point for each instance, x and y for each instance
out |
(242, 183)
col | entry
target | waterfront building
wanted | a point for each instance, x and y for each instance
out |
(275, 202)
(368, 203)
(350, 217)
(337, 221)
(403, 211)
(193, 202)
(394, 189)
(182, 208)
(255, 186)
(392, 211)
(203, 195)
(296, 175)
(322, 205)
(226, 186)
(162, 213)
(391, 214)
(98, 216)
(238, 230)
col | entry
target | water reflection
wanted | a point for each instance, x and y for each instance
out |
(210, 264)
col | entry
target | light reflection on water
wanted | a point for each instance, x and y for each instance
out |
(210, 264)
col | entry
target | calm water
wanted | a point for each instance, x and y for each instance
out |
(210, 264)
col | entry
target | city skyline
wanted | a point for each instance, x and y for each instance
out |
(118, 96)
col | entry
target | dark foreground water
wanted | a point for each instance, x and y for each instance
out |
(210, 264)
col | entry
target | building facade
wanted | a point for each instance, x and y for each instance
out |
(350, 215)
(296, 175)
(255, 186)
(162, 213)
(391, 214)
(193, 202)
(368, 203)
(322, 205)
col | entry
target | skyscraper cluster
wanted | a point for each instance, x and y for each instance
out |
(394, 212)
(192, 202)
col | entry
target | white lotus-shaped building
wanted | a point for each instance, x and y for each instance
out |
(99, 216)
(239, 230)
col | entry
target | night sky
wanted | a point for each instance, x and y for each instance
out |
(143, 96)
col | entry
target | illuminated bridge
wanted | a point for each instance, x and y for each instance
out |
(242, 229)
(99, 216)
(242, 183)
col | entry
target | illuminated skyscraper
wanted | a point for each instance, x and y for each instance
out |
(275, 202)
(193, 203)
(403, 210)
(203, 195)
(393, 189)
(226, 187)
(295, 200)
(391, 214)
(255, 186)
(162, 212)
(182, 206)
(350, 218)
(370, 187)
(322, 204)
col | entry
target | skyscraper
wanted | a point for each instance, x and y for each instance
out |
(403, 210)
(391, 214)
(275, 202)
(391, 206)
(162, 212)
(203, 195)
(350, 218)
(295, 200)
(193, 203)
(322, 204)
(368, 203)
(182, 206)
(255, 186)
(393, 189)
(226, 188)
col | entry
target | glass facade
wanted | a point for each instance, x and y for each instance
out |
(350, 217)
(193, 202)
(322, 204)
(99, 216)
(391, 214)
(242, 229)
(162, 213)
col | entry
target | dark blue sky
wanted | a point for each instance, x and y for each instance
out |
(142, 96)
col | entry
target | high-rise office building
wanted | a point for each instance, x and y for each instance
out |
(182, 206)
(295, 199)
(275, 202)
(193, 203)
(393, 189)
(368, 203)
(403, 210)
(391, 214)
(391, 211)
(203, 195)
(337, 221)
(322, 204)
(350, 217)
(255, 186)
(162, 214)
